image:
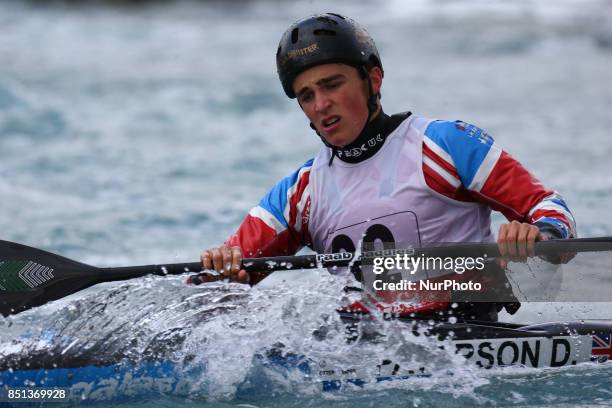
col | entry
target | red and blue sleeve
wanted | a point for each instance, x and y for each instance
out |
(463, 162)
(278, 225)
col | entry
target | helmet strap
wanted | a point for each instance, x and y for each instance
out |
(372, 97)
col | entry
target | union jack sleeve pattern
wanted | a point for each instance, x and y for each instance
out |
(463, 162)
(278, 225)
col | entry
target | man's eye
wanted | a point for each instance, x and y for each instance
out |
(333, 85)
(306, 97)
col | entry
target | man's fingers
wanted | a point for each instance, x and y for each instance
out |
(502, 239)
(532, 236)
(522, 241)
(525, 240)
(227, 262)
(217, 258)
(206, 259)
(511, 239)
(502, 245)
(236, 254)
(516, 241)
(506, 240)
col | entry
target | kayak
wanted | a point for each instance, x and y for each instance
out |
(89, 375)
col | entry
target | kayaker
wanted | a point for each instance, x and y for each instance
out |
(400, 178)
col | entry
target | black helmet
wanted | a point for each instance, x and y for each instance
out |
(323, 39)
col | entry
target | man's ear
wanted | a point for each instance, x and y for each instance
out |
(376, 78)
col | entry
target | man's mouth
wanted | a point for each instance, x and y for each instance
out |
(330, 122)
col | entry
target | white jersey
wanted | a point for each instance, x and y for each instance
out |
(386, 199)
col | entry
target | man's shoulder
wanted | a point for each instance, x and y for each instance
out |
(457, 134)
(292, 185)
(467, 148)
(298, 174)
(440, 129)
(445, 129)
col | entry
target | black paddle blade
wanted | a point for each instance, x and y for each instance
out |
(31, 277)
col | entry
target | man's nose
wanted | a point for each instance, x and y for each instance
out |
(322, 102)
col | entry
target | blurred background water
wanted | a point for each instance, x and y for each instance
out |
(134, 133)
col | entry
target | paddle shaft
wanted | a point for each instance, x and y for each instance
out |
(343, 259)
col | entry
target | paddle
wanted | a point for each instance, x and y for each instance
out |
(31, 277)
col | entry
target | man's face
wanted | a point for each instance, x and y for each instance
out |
(334, 98)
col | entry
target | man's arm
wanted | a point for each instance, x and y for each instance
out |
(463, 162)
(278, 225)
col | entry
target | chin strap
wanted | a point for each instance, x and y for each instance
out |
(333, 154)
(372, 106)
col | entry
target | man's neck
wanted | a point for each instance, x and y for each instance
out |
(368, 142)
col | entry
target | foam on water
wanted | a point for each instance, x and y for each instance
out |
(215, 333)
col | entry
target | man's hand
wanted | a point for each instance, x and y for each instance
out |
(226, 261)
(516, 241)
